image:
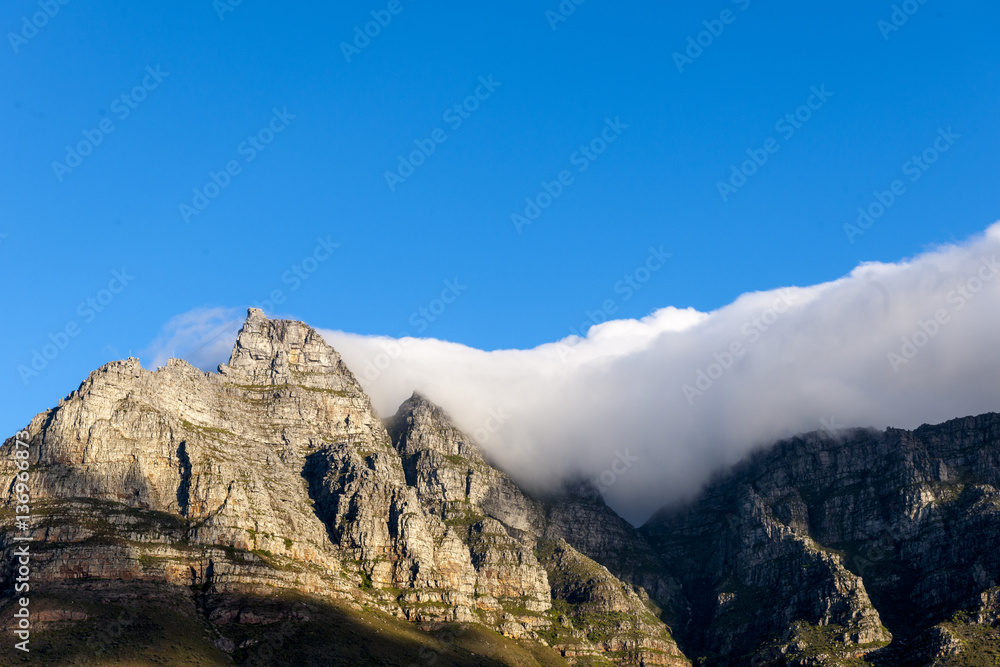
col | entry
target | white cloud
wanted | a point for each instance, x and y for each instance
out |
(203, 336)
(812, 353)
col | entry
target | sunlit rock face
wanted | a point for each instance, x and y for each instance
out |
(275, 474)
(275, 478)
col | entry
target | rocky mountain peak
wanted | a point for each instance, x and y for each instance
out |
(285, 352)
(275, 478)
(421, 426)
(582, 489)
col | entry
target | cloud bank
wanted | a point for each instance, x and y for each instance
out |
(649, 409)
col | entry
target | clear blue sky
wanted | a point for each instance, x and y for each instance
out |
(218, 81)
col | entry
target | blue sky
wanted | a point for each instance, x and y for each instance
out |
(197, 86)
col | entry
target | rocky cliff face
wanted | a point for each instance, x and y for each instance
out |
(527, 576)
(825, 548)
(275, 475)
(265, 509)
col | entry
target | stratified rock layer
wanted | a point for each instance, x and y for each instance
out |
(523, 566)
(275, 474)
(823, 547)
(242, 497)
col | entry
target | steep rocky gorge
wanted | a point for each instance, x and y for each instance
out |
(269, 496)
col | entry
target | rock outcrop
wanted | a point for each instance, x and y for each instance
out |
(270, 494)
(825, 547)
(275, 474)
(527, 576)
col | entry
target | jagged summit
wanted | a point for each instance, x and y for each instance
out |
(276, 475)
(420, 425)
(284, 352)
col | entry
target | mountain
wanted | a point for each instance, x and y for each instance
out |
(265, 514)
(269, 495)
(827, 547)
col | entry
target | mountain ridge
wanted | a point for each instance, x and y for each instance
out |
(271, 493)
(274, 476)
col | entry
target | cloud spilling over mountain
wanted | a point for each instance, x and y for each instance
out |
(649, 409)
